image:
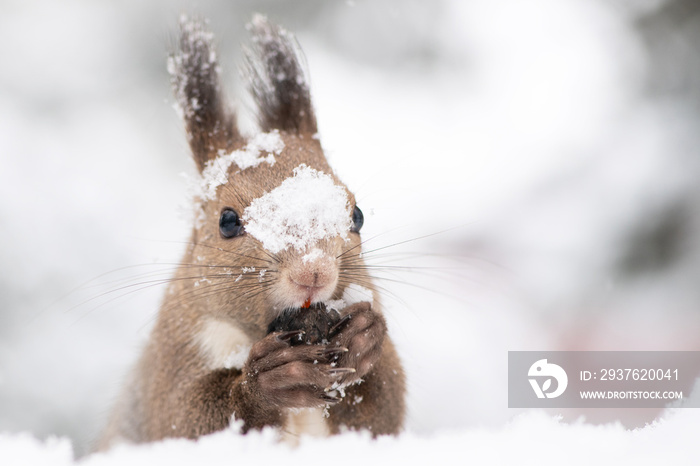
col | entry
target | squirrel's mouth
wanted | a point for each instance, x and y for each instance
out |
(304, 296)
(307, 291)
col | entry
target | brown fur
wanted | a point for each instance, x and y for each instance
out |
(174, 391)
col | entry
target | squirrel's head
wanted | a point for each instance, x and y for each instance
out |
(275, 228)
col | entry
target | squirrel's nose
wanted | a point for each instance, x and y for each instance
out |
(314, 270)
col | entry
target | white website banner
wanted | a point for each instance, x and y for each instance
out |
(598, 379)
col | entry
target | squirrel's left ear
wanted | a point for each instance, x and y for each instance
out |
(194, 71)
(277, 81)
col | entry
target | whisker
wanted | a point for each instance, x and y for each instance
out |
(210, 290)
(141, 287)
(145, 284)
(217, 248)
(169, 271)
(237, 289)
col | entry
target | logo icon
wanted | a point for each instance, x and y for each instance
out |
(544, 370)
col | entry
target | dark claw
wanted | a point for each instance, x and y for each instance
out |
(339, 326)
(330, 399)
(285, 336)
(334, 351)
(341, 371)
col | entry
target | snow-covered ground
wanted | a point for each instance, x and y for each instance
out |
(525, 128)
(530, 439)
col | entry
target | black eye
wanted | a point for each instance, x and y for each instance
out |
(229, 224)
(357, 220)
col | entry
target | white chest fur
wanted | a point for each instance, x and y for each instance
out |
(310, 421)
(223, 344)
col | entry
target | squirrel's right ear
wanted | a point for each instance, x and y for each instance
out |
(194, 71)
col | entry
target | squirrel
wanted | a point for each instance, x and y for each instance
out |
(259, 323)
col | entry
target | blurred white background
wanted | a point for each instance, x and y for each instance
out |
(559, 137)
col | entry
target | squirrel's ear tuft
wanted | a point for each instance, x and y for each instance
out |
(194, 73)
(277, 81)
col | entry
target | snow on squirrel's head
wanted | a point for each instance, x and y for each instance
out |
(272, 217)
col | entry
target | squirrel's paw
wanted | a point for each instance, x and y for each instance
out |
(286, 376)
(362, 332)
